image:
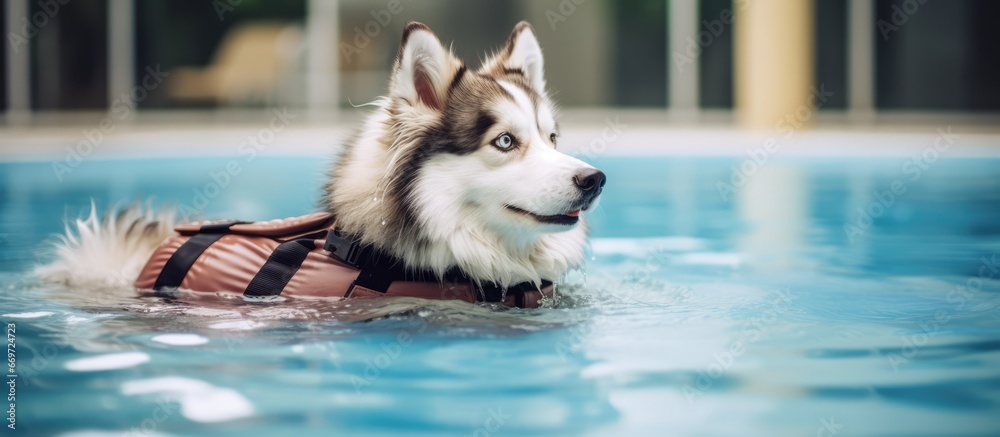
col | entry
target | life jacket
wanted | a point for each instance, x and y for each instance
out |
(306, 256)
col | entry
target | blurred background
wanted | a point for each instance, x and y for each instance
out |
(740, 62)
(751, 146)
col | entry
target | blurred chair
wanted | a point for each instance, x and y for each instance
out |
(252, 64)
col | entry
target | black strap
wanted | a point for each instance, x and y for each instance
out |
(492, 292)
(379, 270)
(279, 268)
(220, 227)
(343, 248)
(183, 258)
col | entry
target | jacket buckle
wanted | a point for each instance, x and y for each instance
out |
(344, 250)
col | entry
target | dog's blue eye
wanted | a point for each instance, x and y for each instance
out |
(504, 141)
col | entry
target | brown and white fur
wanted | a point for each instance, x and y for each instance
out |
(455, 167)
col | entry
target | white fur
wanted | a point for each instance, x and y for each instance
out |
(459, 200)
(461, 208)
(423, 54)
(527, 55)
(107, 253)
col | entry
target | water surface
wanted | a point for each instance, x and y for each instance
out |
(776, 308)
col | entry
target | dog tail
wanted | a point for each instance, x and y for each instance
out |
(108, 252)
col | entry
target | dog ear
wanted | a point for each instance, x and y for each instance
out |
(423, 69)
(522, 52)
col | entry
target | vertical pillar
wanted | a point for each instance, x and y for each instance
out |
(683, 85)
(773, 60)
(323, 75)
(18, 62)
(861, 60)
(121, 48)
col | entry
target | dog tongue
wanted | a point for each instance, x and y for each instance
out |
(573, 213)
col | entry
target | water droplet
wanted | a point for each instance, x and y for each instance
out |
(383, 222)
(593, 258)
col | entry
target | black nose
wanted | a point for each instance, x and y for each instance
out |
(590, 180)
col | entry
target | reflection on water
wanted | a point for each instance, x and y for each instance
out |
(805, 302)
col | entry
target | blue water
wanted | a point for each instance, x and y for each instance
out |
(755, 314)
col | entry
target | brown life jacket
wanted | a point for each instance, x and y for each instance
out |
(306, 256)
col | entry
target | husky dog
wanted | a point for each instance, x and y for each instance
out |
(459, 167)
(455, 168)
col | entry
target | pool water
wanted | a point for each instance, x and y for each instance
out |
(820, 296)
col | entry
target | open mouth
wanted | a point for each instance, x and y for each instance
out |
(567, 218)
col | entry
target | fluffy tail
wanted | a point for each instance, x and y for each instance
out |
(108, 253)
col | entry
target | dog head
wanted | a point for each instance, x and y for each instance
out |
(461, 166)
